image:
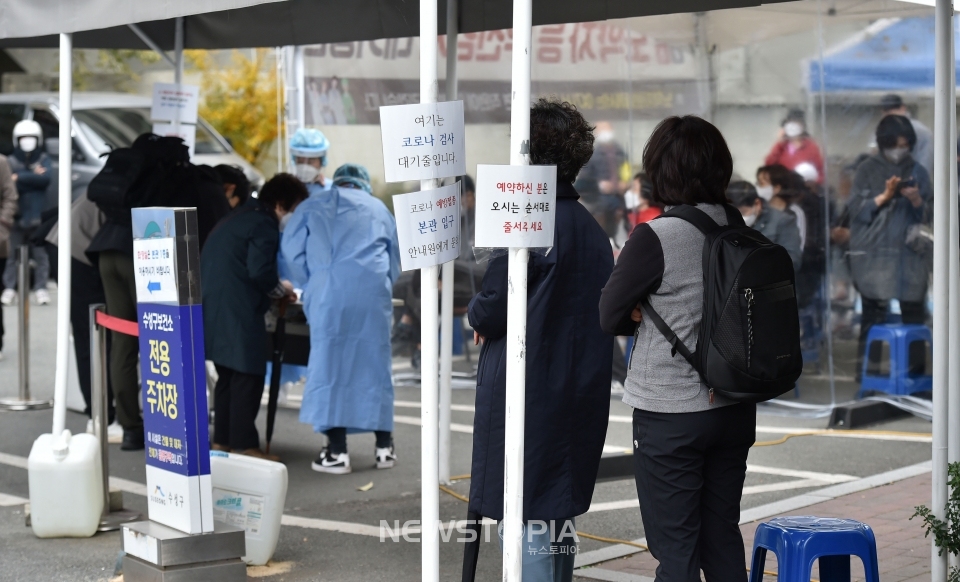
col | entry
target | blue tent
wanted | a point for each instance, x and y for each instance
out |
(898, 57)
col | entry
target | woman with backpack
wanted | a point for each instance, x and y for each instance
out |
(690, 442)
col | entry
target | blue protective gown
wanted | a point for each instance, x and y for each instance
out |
(342, 250)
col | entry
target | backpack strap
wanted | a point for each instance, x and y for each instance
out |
(669, 334)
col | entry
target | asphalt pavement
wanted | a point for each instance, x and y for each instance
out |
(336, 535)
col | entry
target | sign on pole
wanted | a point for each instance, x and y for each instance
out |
(428, 226)
(423, 141)
(170, 320)
(516, 206)
(175, 103)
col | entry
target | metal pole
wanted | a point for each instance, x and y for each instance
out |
(151, 44)
(23, 400)
(944, 165)
(953, 374)
(65, 226)
(446, 298)
(178, 66)
(100, 406)
(429, 388)
(300, 82)
(517, 307)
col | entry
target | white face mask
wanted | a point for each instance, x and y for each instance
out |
(793, 129)
(307, 173)
(28, 143)
(749, 219)
(631, 199)
(765, 192)
(284, 220)
(604, 136)
(894, 155)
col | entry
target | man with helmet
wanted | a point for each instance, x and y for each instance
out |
(31, 174)
(308, 148)
(342, 250)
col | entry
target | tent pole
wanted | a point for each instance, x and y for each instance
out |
(446, 293)
(953, 399)
(517, 307)
(151, 44)
(429, 378)
(65, 200)
(178, 67)
(300, 84)
(944, 166)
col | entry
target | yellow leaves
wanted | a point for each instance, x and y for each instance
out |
(240, 99)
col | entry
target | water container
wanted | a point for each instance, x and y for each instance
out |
(250, 493)
(66, 486)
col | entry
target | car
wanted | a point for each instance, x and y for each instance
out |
(102, 122)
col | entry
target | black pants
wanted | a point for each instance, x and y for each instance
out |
(875, 312)
(119, 287)
(690, 469)
(86, 290)
(236, 401)
(338, 439)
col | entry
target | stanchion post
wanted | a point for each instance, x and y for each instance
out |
(23, 400)
(517, 308)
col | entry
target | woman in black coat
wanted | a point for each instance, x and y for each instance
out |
(568, 358)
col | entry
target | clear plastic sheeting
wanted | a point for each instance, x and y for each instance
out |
(484, 254)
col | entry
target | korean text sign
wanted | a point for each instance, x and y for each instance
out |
(516, 206)
(428, 226)
(172, 372)
(423, 141)
(172, 102)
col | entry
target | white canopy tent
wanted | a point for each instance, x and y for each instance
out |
(244, 23)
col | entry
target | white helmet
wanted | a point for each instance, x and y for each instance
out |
(25, 128)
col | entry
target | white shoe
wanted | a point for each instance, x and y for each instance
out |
(386, 458)
(8, 297)
(333, 464)
(42, 297)
(114, 432)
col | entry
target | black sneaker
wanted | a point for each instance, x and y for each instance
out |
(386, 457)
(132, 440)
(327, 462)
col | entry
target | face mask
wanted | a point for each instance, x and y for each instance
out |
(306, 173)
(765, 192)
(28, 144)
(631, 199)
(894, 155)
(749, 219)
(604, 136)
(285, 220)
(793, 129)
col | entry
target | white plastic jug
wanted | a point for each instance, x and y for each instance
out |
(250, 493)
(66, 486)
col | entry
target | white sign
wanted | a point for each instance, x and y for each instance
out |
(428, 226)
(241, 510)
(173, 102)
(155, 271)
(516, 206)
(188, 133)
(423, 141)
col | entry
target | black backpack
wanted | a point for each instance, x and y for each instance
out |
(748, 348)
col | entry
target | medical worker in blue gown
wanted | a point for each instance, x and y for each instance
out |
(308, 148)
(341, 247)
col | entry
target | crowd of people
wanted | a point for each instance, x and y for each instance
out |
(329, 243)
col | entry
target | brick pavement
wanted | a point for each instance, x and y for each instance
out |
(903, 551)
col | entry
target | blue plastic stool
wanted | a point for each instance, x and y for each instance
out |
(798, 541)
(909, 364)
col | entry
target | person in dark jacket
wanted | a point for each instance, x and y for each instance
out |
(777, 226)
(890, 257)
(690, 445)
(166, 178)
(238, 267)
(568, 360)
(31, 174)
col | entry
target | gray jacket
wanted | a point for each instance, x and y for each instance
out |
(663, 261)
(781, 229)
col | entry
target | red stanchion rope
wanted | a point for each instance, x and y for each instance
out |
(116, 324)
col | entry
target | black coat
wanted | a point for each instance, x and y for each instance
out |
(569, 363)
(238, 268)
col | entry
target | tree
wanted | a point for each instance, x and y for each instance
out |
(946, 531)
(240, 100)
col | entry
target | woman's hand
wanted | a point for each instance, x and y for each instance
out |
(912, 194)
(889, 191)
(477, 339)
(636, 315)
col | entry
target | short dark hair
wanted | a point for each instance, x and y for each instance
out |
(688, 162)
(284, 190)
(467, 184)
(890, 102)
(234, 175)
(742, 194)
(646, 188)
(560, 136)
(783, 176)
(892, 127)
